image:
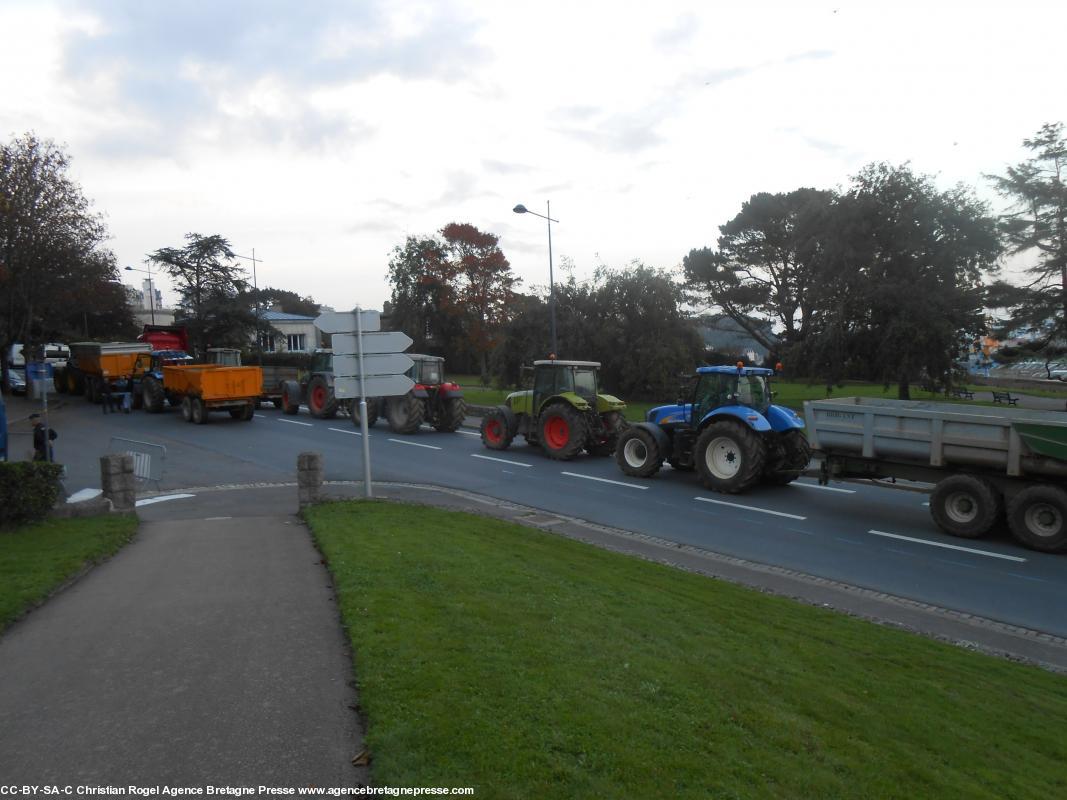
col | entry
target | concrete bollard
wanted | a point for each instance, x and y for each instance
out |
(118, 481)
(309, 478)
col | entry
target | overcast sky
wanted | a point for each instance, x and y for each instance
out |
(323, 133)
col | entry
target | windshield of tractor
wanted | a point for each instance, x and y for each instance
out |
(429, 372)
(585, 384)
(753, 391)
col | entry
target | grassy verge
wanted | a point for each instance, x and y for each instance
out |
(35, 559)
(531, 666)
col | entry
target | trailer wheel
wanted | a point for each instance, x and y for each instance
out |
(373, 409)
(59, 380)
(638, 454)
(291, 397)
(321, 402)
(453, 411)
(790, 460)
(199, 411)
(965, 506)
(496, 435)
(187, 409)
(74, 381)
(405, 413)
(248, 413)
(1037, 517)
(729, 457)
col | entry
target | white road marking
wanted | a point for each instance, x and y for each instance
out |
(947, 546)
(212, 519)
(605, 480)
(162, 499)
(342, 430)
(295, 422)
(84, 494)
(470, 433)
(501, 460)
(261, 416)
(749, 508)
(824, 488)
(415, 444)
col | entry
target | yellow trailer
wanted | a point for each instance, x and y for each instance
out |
(213, 387)
(93, 364)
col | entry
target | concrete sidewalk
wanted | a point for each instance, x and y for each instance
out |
(208, 651)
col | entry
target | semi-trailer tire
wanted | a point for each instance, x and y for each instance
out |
(199, 410)
(291, 397)
(638, 454)
(321, 402)
(405, 413)
(1037, 517)
(729, 457)
(966, 506)
(187, 408)
(791, 459)
(453, 411)
(496, 432)
(152, 395)
(563, 431)
(373, 408)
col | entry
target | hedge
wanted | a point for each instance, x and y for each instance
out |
(29, 490)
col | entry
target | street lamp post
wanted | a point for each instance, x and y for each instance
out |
(521, 209)
(151, 291)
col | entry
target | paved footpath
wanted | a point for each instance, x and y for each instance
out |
(208, 651)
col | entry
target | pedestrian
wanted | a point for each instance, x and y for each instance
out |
(106, 400)
(39, 451)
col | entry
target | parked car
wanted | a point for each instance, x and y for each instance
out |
(16, 381)
(1058, 374)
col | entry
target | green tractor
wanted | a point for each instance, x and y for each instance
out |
(563, 413)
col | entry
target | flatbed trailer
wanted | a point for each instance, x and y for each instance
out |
(212, 387)
(986, 463)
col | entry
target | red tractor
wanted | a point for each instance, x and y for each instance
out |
(431, 400)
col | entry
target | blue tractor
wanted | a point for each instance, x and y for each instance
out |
(725, 427)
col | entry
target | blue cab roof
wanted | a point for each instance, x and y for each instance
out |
(727, 370)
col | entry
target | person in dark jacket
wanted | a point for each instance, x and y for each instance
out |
(39, 451)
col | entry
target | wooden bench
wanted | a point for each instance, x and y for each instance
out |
(926, 386)
(1005, 397)
(961, 393)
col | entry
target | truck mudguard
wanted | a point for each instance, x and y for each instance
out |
(753, 419)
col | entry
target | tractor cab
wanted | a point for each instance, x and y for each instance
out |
(322, 361)
(426, 370)
(554, 378)
(716, 387)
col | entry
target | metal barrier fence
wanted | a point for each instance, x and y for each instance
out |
(148, 458)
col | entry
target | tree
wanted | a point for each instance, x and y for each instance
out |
(287, 301)
(214, 305)
(1036, 228)
(766, 264)
(54, 268)
(424, 294)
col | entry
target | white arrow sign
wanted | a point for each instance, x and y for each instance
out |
(375, 386)
(345, 344)
(382, 364)
(345, 321)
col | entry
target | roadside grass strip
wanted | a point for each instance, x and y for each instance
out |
(35, 559)
(945, 546)
(527, 665)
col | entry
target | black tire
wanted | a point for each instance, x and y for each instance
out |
(248, 412)
(563, 431)
(373, 411)
(235, 413)
(92, 389)
(1037, 517)
(321, 402)
(729, 457)
(614, 425)
(136, 400)
(290, 398)
(75, 382)
(495, 432)
(791, 457)
(638, 454)
(152, 395)
(277, 402)
(405, 413)
(453, 412)
(965, 506)
(199, 411)
(187, 408)
(59, 380)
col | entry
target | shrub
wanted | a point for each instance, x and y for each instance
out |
(28, 490)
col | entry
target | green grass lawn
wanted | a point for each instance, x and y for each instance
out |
(35, 559)
(531, 666)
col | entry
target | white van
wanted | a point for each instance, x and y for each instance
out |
(55, 353)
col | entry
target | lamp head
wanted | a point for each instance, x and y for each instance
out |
(519, 209)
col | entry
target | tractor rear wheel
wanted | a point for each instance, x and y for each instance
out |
(495, 432)
(453, 410)
(729, 457)
(373, 409)
(563, 431)
(405, 413)
(791, 459)
(152, 395)
(321, 402)
(291, 397)
(638, 453)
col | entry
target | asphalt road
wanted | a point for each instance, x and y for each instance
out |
(875, 537)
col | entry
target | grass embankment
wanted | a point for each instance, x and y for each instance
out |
(530, 666)
(35, 559)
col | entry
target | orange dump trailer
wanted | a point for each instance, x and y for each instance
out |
(92, 365)
(213, 387)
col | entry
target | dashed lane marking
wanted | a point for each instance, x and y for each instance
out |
(824, 488)
(296, 422)
(605, 480)
(749, 508)
(416, 444)
(947, 546)
(500, 460)
(350, 433)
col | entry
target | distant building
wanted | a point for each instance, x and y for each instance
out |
(288, 333)
(722, 334)
(147, 305)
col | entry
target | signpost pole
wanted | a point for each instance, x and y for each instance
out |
(364, 428)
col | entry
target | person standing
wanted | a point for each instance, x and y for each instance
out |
(41, 452)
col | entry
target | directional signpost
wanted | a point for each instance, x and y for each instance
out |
(366, 362)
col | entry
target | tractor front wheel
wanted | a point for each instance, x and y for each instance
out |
(405, 413)
(453, 410)
(563, 431)
(495, 432)
(152, 395)
(638, 453)
(373, 411)
(729, 457)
